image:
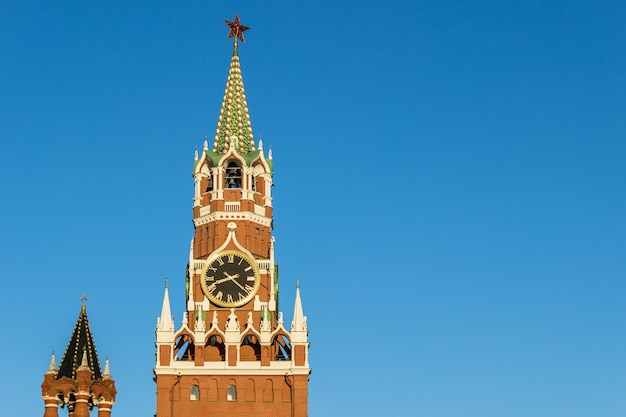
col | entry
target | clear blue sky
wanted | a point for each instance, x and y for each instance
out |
(449, 189)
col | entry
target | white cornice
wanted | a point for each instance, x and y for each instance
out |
(243, 368)
(226, 215)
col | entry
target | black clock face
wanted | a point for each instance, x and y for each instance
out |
(230, 279)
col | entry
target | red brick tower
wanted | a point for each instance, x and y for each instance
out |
(78, 384)
(233, 354)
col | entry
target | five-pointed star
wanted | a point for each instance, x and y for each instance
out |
(236, 29)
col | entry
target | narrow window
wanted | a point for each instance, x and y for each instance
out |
(209, 186)
(231, 393)
(194, 393)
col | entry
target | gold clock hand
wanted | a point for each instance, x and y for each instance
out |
(238, 284)
(233, 279)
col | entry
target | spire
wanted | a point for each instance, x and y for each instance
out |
(165, 321)
(233, 125)
(53, 365)
(84, 364)
(107, 370)
(81, 350)
(299, 319)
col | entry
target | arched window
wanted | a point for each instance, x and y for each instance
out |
(231, 393)
(184, 349)
(233, 175)
(214, 349)
(281, 348)
(194, 393)
(250, 348)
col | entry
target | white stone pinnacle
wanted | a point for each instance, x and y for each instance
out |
(84, 364)
(166, 321)
(299, 320)
(53, 364)
(107, 371)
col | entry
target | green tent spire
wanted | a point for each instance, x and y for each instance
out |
(233, 125)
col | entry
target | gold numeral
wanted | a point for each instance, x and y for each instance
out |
(229, 298)
(231, 258)
(219, 295)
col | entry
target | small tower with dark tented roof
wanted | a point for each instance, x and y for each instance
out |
(78, 384)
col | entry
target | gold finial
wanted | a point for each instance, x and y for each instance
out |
(83, 299)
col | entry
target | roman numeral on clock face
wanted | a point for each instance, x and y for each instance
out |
(231, 258)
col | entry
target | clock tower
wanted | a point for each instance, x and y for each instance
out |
(233, 354)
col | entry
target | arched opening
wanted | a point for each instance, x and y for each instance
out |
(250, 348)
(214, 349)
(281, 348)
(184, 349)
(194, 393)
(233, 175)
(209, 186)
(231, 393)
(69, 401)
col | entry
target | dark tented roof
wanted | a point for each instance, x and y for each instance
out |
(81, 343)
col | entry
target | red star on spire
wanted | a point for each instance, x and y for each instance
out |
(236, 29)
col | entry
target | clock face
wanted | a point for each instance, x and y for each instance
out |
(230, 279)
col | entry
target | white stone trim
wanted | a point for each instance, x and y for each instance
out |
(264, 265)
(242, 368)
(225, 215)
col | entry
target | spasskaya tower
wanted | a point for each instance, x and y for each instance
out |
(232, 353)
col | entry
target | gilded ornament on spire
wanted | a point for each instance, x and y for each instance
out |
(236, 29)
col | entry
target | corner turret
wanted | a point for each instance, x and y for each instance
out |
(78, 383)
